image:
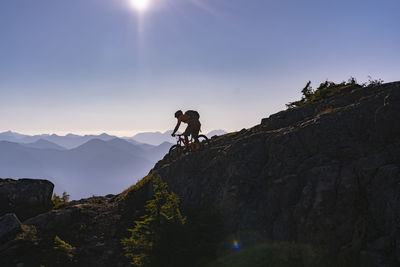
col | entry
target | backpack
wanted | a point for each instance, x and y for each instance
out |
(193, 114)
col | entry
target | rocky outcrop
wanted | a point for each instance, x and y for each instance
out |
(90, 225)
(25, 197)
(9, 227)
(326, 174)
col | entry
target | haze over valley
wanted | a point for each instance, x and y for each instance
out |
(82, 166)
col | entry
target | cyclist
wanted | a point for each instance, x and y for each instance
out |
(190, 117)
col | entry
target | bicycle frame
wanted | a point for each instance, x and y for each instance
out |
(190, 144)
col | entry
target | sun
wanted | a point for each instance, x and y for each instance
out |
(140, 5)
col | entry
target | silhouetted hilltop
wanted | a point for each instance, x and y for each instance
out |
(325, 174)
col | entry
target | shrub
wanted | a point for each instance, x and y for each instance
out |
(60, 201)
(373, 82)
(325, 90)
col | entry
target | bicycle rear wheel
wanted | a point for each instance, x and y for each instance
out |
(204, 141)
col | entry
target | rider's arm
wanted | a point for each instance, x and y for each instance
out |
(177, 126)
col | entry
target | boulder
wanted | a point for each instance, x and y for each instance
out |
(25, 197)
(9, 227)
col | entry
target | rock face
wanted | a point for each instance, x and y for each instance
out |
(326, 174)
(25, 197)
(9, 227)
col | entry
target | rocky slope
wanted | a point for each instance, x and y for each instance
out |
(325, 174)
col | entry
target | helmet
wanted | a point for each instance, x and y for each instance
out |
(178, 113)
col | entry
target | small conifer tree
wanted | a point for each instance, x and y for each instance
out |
(65, 197)
(155, 238)
(307, 91)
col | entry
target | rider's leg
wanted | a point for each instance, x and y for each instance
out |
(186, 136)
(195, 133)
(197, 143)
(186, 139)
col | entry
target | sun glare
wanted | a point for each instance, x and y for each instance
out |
(140, 5)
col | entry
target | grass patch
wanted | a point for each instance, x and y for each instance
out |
(326, 111)
(63, 253)
(28, 233)
(126, 193)
(229, 134)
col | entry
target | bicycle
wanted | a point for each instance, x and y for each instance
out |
(191, 146)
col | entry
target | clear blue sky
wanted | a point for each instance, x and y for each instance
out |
(91, 66)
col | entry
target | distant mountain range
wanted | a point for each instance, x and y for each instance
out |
(70, 141)
(82, 165)
(96, 167)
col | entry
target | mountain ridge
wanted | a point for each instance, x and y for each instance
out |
(325, 175)
(44, 144)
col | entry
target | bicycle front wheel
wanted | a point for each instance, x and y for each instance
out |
(175, 151)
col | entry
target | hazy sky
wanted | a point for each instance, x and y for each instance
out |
(91, 66)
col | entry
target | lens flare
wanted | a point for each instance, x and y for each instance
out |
(236, 244)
